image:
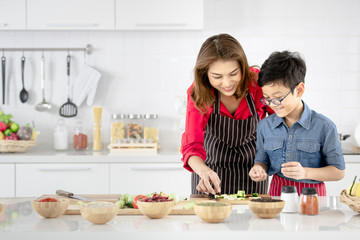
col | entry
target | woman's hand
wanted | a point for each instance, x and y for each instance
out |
(257, 173)
(293, 170)
(208, 177)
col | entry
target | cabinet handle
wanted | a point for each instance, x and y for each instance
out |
(60, 25)
(160, 24)
(156, 168)
(63, 169)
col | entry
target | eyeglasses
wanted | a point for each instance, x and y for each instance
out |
(275, 101)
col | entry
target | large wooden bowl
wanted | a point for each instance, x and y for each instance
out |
(50, 209)
(155, 209)
(99, 212)
(269, 208)
(212, 212)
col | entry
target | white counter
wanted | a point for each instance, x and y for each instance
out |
(335, 220)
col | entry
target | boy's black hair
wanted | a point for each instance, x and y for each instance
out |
(286, 68)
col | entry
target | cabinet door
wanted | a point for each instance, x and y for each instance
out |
(334, 188)
(7, 180)
(70, 14)
(34, 180)
(159, 15)
(147, 178)
(12, 14)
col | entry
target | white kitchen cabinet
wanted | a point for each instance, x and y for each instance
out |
(159, 15)
(352, 162)
(140, 178)
(7, 180)
(12, 14)
(37, 179)
(70, 15)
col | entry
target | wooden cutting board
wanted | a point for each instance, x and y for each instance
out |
(197, 197)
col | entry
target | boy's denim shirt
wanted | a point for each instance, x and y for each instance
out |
(312, 141)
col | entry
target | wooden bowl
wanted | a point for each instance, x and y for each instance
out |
(266, 207)
(99, 212)
(212, 212)
(155, 209)
(50, 209)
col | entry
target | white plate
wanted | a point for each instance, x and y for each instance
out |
(357, 135)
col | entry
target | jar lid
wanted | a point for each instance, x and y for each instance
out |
(118, 116)
(135, 116)
(288, 189)
(309, 191)
(150, 116)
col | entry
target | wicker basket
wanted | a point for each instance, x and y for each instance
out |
(352, 201)
(16, 146)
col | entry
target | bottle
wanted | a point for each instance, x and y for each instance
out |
(151, 132)
(97, 146)
(117, 128)
(61, 141)
(309, 203)
(80, 137)
(290, 196)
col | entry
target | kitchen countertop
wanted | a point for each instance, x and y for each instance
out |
(334, 220)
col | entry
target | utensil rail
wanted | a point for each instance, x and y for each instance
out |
(88, 49)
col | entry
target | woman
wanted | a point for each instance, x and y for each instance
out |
(223, 109)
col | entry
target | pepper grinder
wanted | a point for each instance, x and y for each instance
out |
(97, 129)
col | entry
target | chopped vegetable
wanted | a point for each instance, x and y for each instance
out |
(121, 203)
(241, 193)
(48, 199)
(255, 194)
(189, 205)
(175, 197)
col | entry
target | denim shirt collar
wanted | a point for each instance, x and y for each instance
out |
(304, 121)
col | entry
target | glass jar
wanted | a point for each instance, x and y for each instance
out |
(80, 137)
(134, 128)
(117, 128)
(309, 202)
(151, 132)
(61, 141)
(290, 196)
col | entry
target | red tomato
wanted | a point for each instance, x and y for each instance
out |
(138, 197)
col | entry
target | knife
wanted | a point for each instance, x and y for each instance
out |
(71, 195)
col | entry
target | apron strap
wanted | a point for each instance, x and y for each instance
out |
(251, 104)
(216, 109)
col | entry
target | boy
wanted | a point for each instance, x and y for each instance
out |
(296, 145)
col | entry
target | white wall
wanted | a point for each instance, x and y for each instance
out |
(145, 71)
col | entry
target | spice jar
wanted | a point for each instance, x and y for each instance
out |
(290, 196)
(134, 128)
(61, 141)
(151, 133)
(117, 128)
(80, 137)
(309, 203)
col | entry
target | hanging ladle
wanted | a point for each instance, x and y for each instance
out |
(24, 95)
(43, 106)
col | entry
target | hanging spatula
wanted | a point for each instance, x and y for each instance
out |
(68, 109)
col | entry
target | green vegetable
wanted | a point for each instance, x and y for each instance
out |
(121, 203)
(255, 194)
(124, 197)
(130, 200)
(241, 193)
(189, 205)
(79, 203)
(175, 197)
(6, 118)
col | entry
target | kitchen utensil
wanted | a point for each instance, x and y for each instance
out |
(3, 66)
(71, 195)
(44, 105)
(68, 109)
(24, 95)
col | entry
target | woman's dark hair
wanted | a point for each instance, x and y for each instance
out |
(286, 68)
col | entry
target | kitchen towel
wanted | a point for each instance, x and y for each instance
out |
(85, 85)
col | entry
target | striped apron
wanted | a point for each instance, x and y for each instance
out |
(230, 150)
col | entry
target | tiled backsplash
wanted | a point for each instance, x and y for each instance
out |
(147, 71)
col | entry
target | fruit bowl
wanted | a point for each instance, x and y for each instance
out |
(266, 207)
(16, 145)
(50, 209)
(155, 209)
(212, 212)
(352, 201)
(99, 212)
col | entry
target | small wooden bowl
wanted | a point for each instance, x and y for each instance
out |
(267, 208)
(155, 209)
(212, 212)
(99, 212)
(50, 209)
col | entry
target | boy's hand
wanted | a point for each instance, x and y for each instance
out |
(257, 173)
(293, 170)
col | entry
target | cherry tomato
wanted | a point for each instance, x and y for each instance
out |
(138, 197)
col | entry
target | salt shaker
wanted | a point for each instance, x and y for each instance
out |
(61, 141)
(290, 196)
